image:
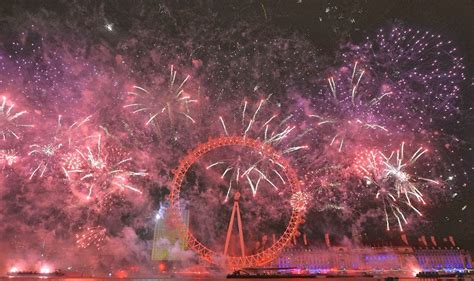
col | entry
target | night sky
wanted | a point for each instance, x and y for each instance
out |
(109, 95)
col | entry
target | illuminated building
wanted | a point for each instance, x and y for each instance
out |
(443, 259)
(398, 260)
(167, 236)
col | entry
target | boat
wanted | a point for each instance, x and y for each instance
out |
(34, 274)
(270, 273)
(441, 274)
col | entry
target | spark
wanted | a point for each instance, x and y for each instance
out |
(91, 236)
(48, 151)
(109, 26)
(10, 122)
(354, 88)
(223, 125)
(214, 164)
(299, 201)
(95, 168)
(396, 186)
(259, 170)
(243, 111)
(294, 148)
(175, 102)
(8, 156)
(279, 175)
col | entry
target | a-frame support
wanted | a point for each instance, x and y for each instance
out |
(239, 225)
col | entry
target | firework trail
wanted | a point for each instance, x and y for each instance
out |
(49, 152)
(100, 169)
(351, 106)
(91, 236)
(257, 168)
(167, 103)
(239, 171)
(11, 124)
(396, 185)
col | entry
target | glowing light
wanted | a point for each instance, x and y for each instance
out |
(161, 212)
(45, 269)
(109, 26)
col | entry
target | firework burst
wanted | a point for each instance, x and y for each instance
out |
(420, 68)
(48, 153)
(256, 167)
(92, 237)
(396, 185)
(352, 107)
(169, 103)
(8, 156)
(98, 170)
(11, 124)
(300, 200)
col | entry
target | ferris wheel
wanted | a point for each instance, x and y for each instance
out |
(244, 258)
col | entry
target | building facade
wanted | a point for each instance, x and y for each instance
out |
(402, 261)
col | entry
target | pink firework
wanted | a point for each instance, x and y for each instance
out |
(47, 153)
(422, 69)
(8, 157)
(397, 184)
(300, 201)
(352, 107)
(167, 103)
(96, 170)
(11, 122)
(91, 237)
(254, 168)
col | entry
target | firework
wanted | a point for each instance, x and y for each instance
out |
(396, 85)
(396, 185)
(420, 68)
(256, 168)
(112, 200)
(352, 107)
(99, 169)
(168, 103)
(11, 124)
(8, 156)
(300, 200)
(239, 171)
(91, 236)
(48, 153)
(71, 161)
